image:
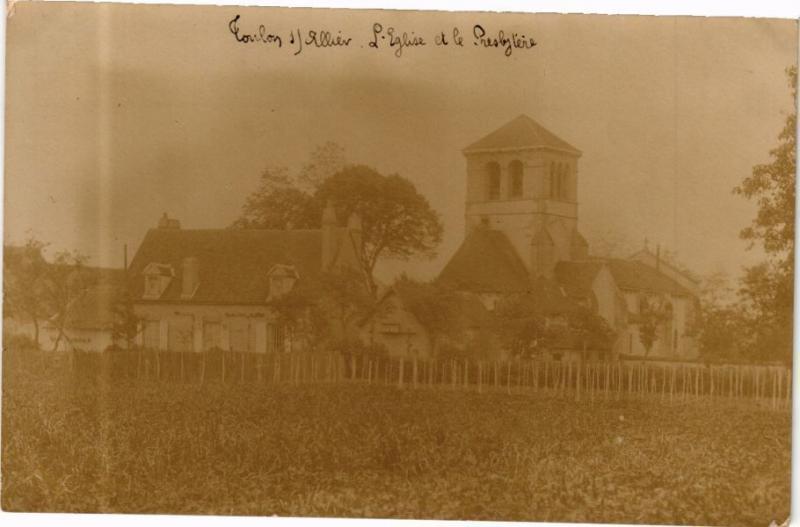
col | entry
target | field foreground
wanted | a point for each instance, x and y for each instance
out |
(374, 451)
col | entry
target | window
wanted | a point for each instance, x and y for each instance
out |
(180, 334)
(212, 335)
(279, 286)
(153, 286)
(485, 221)
(493, 180)
(156, 279)
(281, 280)
(515, 169)
(152, 334)
(390, 327)
(242, 334)
(559, 181)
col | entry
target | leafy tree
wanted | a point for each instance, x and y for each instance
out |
(326, 160)
(298, 310)
(397, 221)
(345, 299)
(718, 324)
(521, 326)
(25, 271)
(284, 201)
(653, 312)
(768, 288)
(326, 309)
(278, 204)
(591, 329)
(127, 324)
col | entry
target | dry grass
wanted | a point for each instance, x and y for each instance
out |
(354, 450)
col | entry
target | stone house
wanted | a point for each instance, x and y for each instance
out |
(202, 289)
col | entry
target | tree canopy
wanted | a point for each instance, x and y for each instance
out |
(397, 221)
(767, 289)
(24, 274)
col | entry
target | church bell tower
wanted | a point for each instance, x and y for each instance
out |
(522, 180)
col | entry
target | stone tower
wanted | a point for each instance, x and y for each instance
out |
(522, 180)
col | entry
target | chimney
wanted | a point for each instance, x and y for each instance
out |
(165, 222)
(329, 238)
(191, 277)
(355, 229)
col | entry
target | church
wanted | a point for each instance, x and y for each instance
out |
(522, 235)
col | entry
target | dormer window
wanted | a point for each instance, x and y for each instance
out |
(157, 277)
(281, 280)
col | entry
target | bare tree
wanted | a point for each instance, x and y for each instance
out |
(65, 284)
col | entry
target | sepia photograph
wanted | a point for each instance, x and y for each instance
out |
(387, 264)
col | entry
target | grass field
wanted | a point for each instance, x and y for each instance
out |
(367, 451)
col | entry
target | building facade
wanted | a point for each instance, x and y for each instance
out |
(197, 290)
(521, 217)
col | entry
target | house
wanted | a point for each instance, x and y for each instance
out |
(394, 326)
(202, 289)
(522, 236)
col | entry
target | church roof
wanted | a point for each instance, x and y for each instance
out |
(633, 275)
(542, 237)
(578, 239)
(577, 276)
(521, 133)
(486, 262)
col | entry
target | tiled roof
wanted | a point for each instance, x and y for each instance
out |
(486, 262)
(233, 264)
(520, 133)
(577, 277)
(578, 240)
(633, 275)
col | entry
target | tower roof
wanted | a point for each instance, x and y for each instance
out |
(518, 134)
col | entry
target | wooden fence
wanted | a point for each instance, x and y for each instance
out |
(768, 385)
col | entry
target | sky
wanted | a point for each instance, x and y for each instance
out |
(116, 114)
